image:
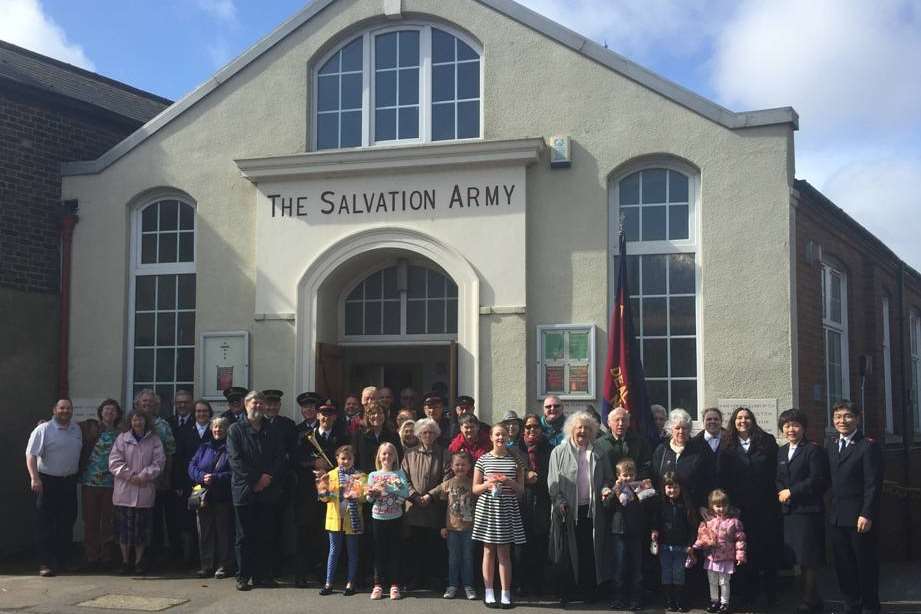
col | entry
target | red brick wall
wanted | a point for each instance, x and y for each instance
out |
(36, 135)
(871, 271)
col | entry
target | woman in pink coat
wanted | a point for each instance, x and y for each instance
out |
(135, 462)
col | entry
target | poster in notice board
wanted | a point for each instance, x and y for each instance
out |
(553, 379)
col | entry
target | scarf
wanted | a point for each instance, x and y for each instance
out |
(345, 482)
(532, 457)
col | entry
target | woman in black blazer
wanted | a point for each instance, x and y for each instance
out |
(748, 471)
(802, 479)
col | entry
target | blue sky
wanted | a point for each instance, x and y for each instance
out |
(849, 67)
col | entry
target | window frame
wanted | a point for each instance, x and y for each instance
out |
(368, 72)
(914, 356)
(403, 338)
(886, 348)
(136, 269)
(665, 247)
(828, 269)
(541, 391)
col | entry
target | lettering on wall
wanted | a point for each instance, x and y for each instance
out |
(332, 203)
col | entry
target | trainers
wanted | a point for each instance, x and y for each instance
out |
(377, 592)
(450, 592)
(471, 593)
(395, 592)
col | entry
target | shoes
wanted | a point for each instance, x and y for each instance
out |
(349, 591)
(636, 605)
(377, 592)
(450, 592)
(471, 593)
(45, 571)
(326, 590)
(724, 608)
(617, 604)
(506, 605)
(203, 573)
(243, 584)
(492, 605)
(714, 607)
(395, 593)
(140, 569)
(220, 574)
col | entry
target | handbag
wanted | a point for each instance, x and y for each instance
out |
(198, 499)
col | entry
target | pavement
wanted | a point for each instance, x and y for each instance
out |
(175, 593)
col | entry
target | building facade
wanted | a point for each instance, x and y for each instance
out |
(50, 112)
(420, 193)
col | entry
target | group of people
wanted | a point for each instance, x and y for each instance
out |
(414, 499)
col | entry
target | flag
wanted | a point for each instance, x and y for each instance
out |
(624, 380)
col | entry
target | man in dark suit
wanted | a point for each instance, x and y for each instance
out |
(283, 531)
(309, 513)
(180, 522)
(856, 482)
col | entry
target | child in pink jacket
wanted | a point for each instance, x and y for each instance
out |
(723, 539)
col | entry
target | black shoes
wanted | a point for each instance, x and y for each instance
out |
(326, 590)
(243, 584)
(348, 592)
(714, 607)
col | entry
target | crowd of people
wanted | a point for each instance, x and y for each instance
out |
(417, 499)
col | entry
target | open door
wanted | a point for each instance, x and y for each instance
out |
(329, 372)
(452, 375)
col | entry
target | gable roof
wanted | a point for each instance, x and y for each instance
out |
(49, 75)
(508, 8)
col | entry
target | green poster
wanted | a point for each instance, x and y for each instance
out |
(578, 346)
(553, 346)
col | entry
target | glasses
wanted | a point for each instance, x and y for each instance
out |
(553, 406)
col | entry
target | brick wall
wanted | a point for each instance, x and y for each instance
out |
(37, 133)
(825, 232)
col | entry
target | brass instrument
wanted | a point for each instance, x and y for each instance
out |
(312, 438)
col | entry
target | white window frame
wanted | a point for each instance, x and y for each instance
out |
(425, 84)
(136, 268)
(663, 247)
(830, 268)
(401, 339)
(541, 391)
(887, 366)
(915, 364)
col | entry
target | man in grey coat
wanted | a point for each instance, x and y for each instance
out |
(579, 473)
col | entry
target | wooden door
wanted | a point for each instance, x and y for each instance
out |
(329, 374)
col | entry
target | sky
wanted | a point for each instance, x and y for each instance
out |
(850, 68)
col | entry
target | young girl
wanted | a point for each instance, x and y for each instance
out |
(673, 536)
(342, 489)
(724, 540)
(388, 488)
(458, 491)
(498, 480)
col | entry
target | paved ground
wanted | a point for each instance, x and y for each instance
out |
(19, 592)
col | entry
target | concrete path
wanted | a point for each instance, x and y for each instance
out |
(901, 592)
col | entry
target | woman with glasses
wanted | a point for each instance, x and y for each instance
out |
(531, 557)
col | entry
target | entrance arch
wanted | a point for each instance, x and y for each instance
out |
(310, 311)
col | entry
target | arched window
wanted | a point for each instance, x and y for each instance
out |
(409, 84)
(162, 326)
(401, 300)
(655, 204)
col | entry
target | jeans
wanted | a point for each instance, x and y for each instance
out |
(672, 559)
(628, 565)
(335, 548)
(460, 558)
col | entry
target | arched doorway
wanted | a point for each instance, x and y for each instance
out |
(388, 306)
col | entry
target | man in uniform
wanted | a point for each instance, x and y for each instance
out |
(856, 483)
(434, 407)
(462, 406)
(283, 531)
(234, 396)
(180, 521)
(52, 459)
(308, 511)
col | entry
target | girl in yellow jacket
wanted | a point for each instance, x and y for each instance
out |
(343, 491)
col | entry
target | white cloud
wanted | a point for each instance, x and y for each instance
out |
(25, 23)
(846, 65)
(223, 10)
(640, 29)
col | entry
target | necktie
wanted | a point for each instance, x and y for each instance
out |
(840, 445)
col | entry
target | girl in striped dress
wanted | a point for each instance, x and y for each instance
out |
(498, 480)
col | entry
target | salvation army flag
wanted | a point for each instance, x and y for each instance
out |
(624, 380)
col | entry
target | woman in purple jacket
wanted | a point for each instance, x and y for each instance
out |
(210, 469)
(135, 462)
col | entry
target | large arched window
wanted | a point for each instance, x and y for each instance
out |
(162, 326)
(401, 300)
(655, 205)
(406, 84)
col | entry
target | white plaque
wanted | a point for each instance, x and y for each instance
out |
(224, 362)
(764, 410)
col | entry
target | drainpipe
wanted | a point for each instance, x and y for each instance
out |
(68, 221)
(907, 404)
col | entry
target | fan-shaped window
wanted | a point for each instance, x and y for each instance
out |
(412, 84)
(402, 299)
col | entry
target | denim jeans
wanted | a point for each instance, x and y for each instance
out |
(628, 568)
(672, 559)
(460, 558)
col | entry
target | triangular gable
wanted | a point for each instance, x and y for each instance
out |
(508, 8)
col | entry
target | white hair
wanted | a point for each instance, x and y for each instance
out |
(581, 417)
(427, 424)
(678, 417)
